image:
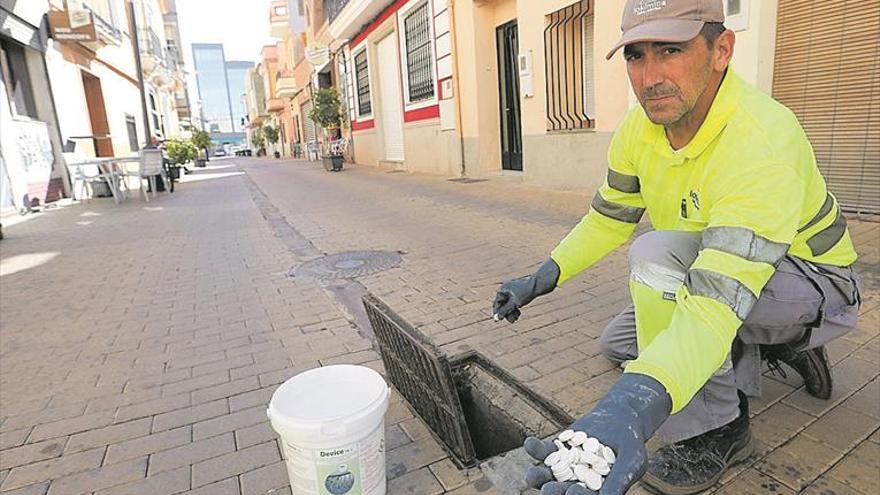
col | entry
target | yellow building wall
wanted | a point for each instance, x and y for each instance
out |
(367, 147)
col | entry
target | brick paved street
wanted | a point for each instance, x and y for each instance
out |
(141, 343)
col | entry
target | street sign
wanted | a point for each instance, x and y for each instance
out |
(317, 54)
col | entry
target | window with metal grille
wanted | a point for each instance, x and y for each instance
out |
(420, 72)
(568, 50)
(362, 73)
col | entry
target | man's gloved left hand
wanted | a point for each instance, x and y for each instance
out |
(516, 293)
(624, 420)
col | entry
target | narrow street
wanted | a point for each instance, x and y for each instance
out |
(140, 343)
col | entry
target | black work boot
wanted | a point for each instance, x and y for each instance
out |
(811, 364)
(696, 464)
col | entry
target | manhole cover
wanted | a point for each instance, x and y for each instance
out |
(352, 264)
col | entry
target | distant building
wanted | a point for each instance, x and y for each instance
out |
(236, 72)
(220, 88)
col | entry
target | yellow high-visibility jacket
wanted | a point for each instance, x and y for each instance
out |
(748, 181)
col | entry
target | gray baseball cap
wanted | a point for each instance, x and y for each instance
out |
(666, 20)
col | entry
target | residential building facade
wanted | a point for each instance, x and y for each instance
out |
(31, 166)
(176, 62)
(521, 88)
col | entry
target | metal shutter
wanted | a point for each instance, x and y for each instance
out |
(827, 71)
(309, 127)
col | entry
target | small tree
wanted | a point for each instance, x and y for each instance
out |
(258, 139)
(271, 134)
(180, 151)
(328, 110)
(202, 141)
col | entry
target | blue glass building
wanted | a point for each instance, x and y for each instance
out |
(220, 86)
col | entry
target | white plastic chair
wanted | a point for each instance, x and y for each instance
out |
(87, 173)
(338, 147)
(150, 167)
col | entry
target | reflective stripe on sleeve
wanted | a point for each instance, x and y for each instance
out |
(823, 212)
(821, 242)
(745, 243)
(622, 182)
(616, 211)
(724, 289)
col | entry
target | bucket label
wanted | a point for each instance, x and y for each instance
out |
(352, 469)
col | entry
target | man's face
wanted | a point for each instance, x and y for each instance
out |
(668, 78)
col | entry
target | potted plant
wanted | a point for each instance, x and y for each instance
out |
(327, 113)
(180, 152)
(202, 141)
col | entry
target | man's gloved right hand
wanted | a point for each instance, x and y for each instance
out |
(516, 293)
(625, 418)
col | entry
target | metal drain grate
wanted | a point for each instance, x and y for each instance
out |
(423, 375)
(348, 265)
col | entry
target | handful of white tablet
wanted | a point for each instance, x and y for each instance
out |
(580, 458)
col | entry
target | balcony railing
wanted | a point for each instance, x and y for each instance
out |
(332, 8)
(152, 49)
(285, 84)
(106, 31)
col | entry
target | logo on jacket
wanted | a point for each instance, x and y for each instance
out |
(695, 199)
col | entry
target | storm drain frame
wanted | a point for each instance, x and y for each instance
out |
(429, 380)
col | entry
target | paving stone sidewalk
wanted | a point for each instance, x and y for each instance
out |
(141, 343)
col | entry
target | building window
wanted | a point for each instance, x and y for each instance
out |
(157, 127)
(362, 73)
(131, 127)
(419, 69)
(14, 72)
(568, 49)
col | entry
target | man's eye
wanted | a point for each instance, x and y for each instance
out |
(631, 56)
(669, 50)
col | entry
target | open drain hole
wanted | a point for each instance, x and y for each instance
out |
(474, 408)
(500, 413)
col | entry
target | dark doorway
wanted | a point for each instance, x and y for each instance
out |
(508, 89)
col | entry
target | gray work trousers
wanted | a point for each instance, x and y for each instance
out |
(804, 304)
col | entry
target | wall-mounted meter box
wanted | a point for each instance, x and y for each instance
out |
(526, 89)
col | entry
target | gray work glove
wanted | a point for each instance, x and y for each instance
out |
(624, 420)
(516, 293)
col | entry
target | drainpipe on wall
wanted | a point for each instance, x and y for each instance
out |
(455, 76)
(135, 42)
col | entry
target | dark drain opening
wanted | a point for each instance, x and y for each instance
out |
(500, 413)
(474, 408)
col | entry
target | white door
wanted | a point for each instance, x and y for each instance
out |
(392, 112)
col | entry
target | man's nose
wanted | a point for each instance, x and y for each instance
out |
(652, 73)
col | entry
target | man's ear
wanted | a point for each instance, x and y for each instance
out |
(723, 50)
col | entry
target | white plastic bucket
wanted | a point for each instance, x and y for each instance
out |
(331, 421)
